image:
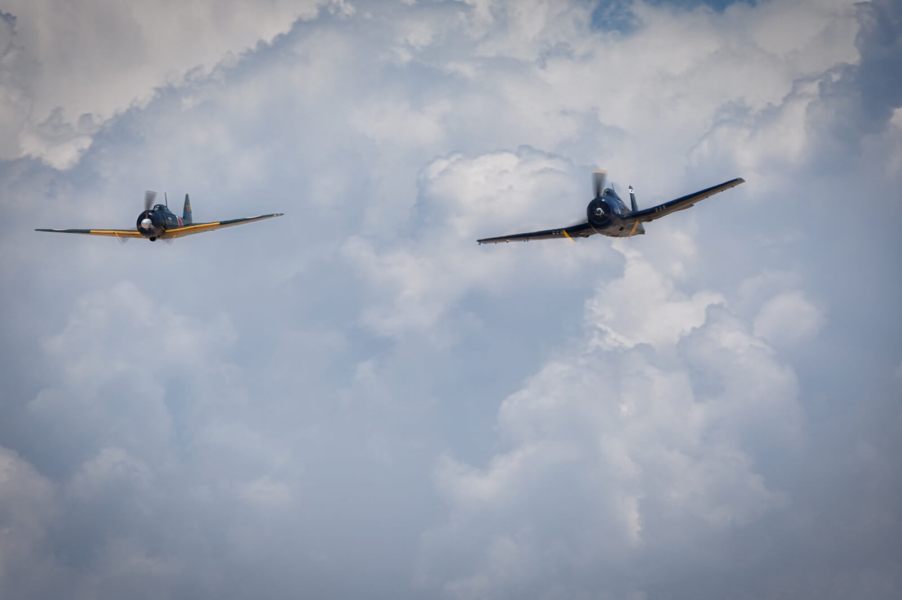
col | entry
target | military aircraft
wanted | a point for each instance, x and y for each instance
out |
(606, 214)
(156, 222)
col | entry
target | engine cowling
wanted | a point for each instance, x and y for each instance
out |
(598, 213)
(148, 224)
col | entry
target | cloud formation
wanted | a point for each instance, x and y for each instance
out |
(357, 400)
(620, 447)
(70, 69)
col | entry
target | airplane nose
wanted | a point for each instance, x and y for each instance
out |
(146, 223)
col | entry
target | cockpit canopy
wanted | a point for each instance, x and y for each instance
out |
(613, 200)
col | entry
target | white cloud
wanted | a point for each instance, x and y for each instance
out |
(358, 386)
(395, 123)
(643, 308)
(788, 318)
(75, 67)
(462, 199)
(27, 506)
(117, 366)
(629, 439)
(98, 343)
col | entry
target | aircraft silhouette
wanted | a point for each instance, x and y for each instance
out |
(158, 222)
(606, 214)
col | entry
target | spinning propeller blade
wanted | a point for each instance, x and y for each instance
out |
(599, 178)
(149, 197)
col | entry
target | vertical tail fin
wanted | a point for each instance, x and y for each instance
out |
(186, 212)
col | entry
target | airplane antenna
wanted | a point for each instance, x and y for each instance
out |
(166, 199)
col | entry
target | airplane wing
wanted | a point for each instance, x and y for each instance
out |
(574, 231)
(118, 233)
(202, 227)
(662, 210)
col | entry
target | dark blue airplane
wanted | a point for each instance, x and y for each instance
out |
(158, 222)
(606, 214)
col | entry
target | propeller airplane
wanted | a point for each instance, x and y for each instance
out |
(606, 213)
(156, 222)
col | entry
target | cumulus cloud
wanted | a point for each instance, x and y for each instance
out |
(461, 199)
(70, 69)
(27, 504)
(641, 308)
(788, 318)
(647, 451)
(359, 388)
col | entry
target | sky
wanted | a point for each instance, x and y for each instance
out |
(357, 400)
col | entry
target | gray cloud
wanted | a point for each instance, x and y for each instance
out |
(67, 68)
(621, 448)
(356, 400)
(871, 94)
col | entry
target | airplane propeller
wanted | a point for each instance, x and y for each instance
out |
(596, 210)
(145, 219)
(599, 177)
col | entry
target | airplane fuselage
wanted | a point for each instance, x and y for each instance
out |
(157, 221)
(608, 215)
(153, 223)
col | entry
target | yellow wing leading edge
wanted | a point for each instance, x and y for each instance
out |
(177, 232)
(117, 233)
(174, 232)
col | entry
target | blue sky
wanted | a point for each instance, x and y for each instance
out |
(618, 15)
(356, 399)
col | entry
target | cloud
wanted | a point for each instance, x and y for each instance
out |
(359, 388)
(70, 70)
(27, 504)
(462, 199)
(641, 308)
(788, 318)
(617, 450)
